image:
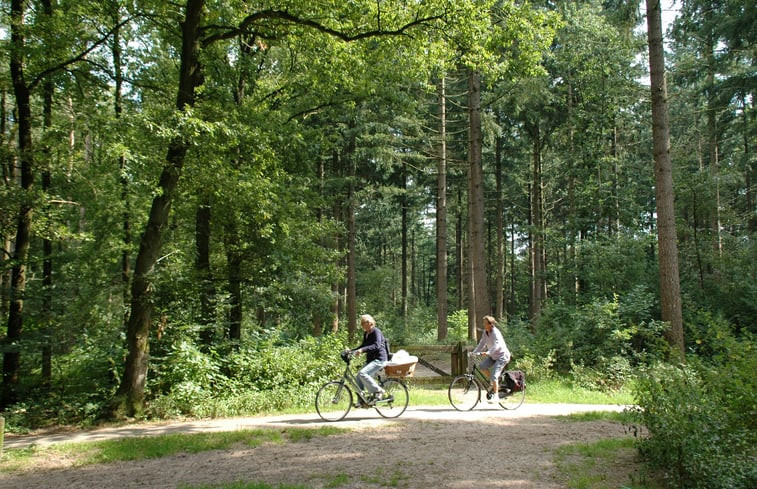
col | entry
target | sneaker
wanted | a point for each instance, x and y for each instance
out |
(378, 396)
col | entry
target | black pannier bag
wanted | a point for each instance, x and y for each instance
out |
(515, 380)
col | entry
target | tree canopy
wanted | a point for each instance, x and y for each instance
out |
(205, 175)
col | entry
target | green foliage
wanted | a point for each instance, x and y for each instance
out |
(529, 354)
(82, 380)
(564, 390)
(262, 375)
(702, 418)
(601, 464)
(457, 325)
(276, 127)
(600, 342)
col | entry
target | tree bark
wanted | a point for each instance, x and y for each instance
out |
(234, 278)
(206, 290)
(670, 296)
(351, 251)
(441, 216)
(12, 356)
(478, 295)
(47, 244)
(499, 310)
(404, 245)
(9, 178)
(129, 398)
(538, 268)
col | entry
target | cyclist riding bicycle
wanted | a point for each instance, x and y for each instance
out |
(492, 345)
(374, 346)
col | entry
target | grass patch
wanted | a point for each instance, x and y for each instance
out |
(553, 391)
(140, 448)
(619, 417)
(604, 464)
(428, 395)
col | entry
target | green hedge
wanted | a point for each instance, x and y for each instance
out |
(701, 419)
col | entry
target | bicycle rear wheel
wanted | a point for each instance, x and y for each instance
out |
(395, 401)
(464, 393)
(333, 401)
(512, 400)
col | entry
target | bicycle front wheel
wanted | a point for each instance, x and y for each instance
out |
(333, 401)
(464, 393)
(512, 400)
(395, 401)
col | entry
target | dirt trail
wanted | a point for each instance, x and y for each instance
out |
(432, 446)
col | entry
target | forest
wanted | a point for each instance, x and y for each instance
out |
(199, 198)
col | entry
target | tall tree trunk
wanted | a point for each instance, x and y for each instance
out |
(441, 216)
(351, 251)
(538, 268)
(124, 181)
(129, 398)
(575, 234)
(459, 252)
(615, 225)
(670, 295)
(478, 295)
(712, 135)
(338, 213)
(748, 197)
(47, 244)
(9, 178)
(499, 310)
(12, 355)
(234, 277)
(404, 245)
(513, 258)
(48, 90)
(206, 290)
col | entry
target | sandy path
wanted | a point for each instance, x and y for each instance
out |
(427, 447)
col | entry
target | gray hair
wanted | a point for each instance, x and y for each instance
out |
(368, 319)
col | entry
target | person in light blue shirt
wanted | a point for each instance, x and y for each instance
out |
(493, 346)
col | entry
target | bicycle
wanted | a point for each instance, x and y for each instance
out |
(335, 399)
(465, 390)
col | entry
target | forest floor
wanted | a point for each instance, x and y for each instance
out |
(431, 446)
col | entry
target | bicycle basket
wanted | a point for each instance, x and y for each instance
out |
(400, 370)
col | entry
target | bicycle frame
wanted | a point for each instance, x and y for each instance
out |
(478, 375)
(349, 378)
(464, 396)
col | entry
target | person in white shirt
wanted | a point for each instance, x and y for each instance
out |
(493, 346)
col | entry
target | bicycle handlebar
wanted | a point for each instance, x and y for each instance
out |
(347, 355)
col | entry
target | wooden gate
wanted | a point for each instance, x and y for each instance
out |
(458, 362)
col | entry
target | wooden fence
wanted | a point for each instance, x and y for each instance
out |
(458, 362)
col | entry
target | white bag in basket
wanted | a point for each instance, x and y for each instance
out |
(401, 357)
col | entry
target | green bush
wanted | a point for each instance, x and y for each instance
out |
(599, 343)
(457, 325)
(701, 419)
(261, 375)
